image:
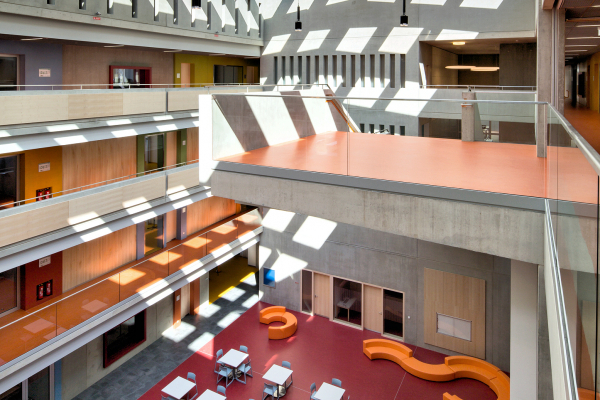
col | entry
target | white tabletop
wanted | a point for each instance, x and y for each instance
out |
(178, 388)
(277, 374)
(233, 358)
(346, 303)
(210, 395)
(329, 392)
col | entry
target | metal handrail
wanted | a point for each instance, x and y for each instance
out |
(152, 85)
(501, 87)
(6, 206)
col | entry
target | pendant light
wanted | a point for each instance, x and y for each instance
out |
(404, 17)
(298, 25)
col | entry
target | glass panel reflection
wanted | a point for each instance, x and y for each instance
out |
(307, 291)
(347, 301)
(393, 313)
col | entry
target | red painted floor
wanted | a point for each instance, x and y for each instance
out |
(319, 351)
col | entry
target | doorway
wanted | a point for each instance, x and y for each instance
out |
(251, 75)
(9, 72)
(322, 295)
(373, 308)
(154, 156)
(185, 75)
(9, 181)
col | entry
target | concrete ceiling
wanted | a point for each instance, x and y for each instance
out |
(581, 28)
(479, 46)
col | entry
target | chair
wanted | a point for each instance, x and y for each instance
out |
(336, 382)
(243, 349)
(221, 389)
(246, 369)
(288, 365)
(270, 390)
(224, 372)
(192, 378)
(219, 355)
(313, 391)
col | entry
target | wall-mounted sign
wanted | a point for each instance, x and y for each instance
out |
(45, 73)
(45, 261)
(43, 167)
(97, 18)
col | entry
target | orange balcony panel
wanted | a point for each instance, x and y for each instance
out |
(221, 235)
(27, 333)
(187, 253)
(146, 274)
(248, 222)
(81, 306)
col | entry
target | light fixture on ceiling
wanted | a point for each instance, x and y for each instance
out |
(36, 38)
(485, 69)
(580, 45)
(583, 37)
(116, 45)
(298, 24)
(460, 66)
(172, 51)
(404, 17)
(458, 43)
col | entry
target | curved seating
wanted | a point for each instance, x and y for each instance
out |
(454, 367)
(279, 314)
(585, 394)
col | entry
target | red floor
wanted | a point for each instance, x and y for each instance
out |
(319, 351)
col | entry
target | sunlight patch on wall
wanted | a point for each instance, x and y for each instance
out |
(276, 44)
(451, 34)
(268, 8)
(286, 265)
(314, 232)
(429, 2)
(412, 108)
(330, 2)
(490, 4)
(313, 40)
(356, 39)
(364, 94)
(400, 40)
(277, 220)
(274, 119)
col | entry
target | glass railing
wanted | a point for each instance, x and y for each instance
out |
(401, 140)
(23, 331)
(573, 170)
(82, 188)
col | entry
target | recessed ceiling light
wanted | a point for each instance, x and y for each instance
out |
(574, 51)
(583, 37)
(35, 38)
(172, 51)
(460, 66)
(485, 69)
(586, 26)
(581, 45)
(116, 45)
(458, 43)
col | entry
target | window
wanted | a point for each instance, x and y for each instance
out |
(371, 128)
(307, 295)
(392, 130)
(208, 15)
(293, 78)
(259, 25)
(156, 10)
(317, 80)
(300, 69)
(153, 235)
(403, 70)
(154, 155)
(269, 277)
(452, 326)
(237, 20)
(326, 68)
(134, 7)
(353, 70)
(393, 313)
(176, 11)
(39, 386)
(392, 70)
(228, 74)
(283, 70)
(347, 301)
(82, 4)
(109, 6)
(382, 70)
(381, 128)
(343, 71)
(335, 70)
(196, 3)
(402, 130)
(8, 290)
(123, 338)
(362, 128)
(372, 69)
(275, 70)
(362, 70)
(308, 81)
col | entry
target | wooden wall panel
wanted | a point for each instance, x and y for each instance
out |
(193, 141)
(144, 102)
(84, 64)
(97, 257)
(95, 105)
(182, 180)
(457, 296)
(33, 223)
(92, 162)
(207, 212)
(171, 141)
(185, 300)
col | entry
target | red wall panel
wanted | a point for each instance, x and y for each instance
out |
(32, 275)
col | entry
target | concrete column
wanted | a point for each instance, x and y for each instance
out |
(253, 256)
(176, 308)
(544, 75)
(205, 162)
(471, 121)
(544, 384)
(523, 330)
(204, 291)
(560, 65)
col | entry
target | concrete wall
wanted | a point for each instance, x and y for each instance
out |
(84, 367)
(382, 259)
(440, 75)
(34, 56)
(517, 64)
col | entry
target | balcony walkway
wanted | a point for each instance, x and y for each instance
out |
(489, 167)
(587, 123)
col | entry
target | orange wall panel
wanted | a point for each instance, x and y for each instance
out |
(39, 180)
(207, 212)
(221, 235)
(149, 272)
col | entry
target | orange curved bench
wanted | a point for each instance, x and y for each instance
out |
(454, 367)
(585, 394)
(279, 314)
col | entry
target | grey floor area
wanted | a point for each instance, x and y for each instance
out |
(138, 375)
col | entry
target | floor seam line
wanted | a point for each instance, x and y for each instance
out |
(401, 382)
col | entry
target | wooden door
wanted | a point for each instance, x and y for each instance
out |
(595, 89)
(373, 308)
(250, 75)
(185, 75)
(322, 295)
